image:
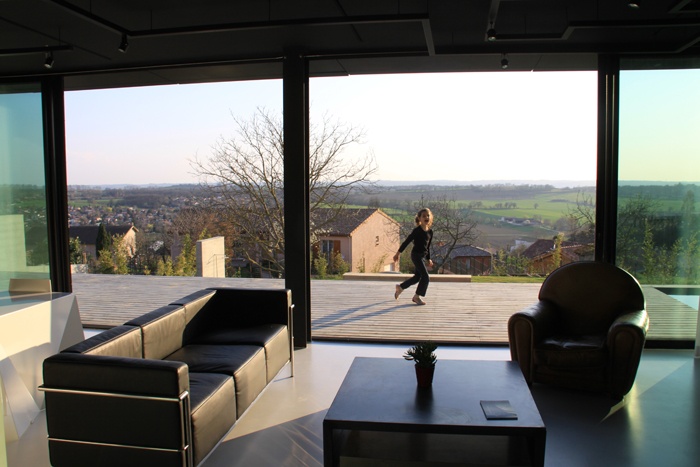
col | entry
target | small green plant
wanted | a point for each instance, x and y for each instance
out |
(321, 266)
(338, 265)
(361, 264)
(423, 353)
(378, 266)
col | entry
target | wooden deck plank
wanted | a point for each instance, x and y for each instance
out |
(366, 310)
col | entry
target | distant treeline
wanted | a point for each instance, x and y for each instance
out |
(142, 197)
(660, 192)
(151, 197)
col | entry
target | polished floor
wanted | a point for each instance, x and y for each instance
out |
(658, 423)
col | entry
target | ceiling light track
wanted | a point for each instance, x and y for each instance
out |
(126, 33)
(36, 50)
(576, 25)
(231, 27)
(88, 15)
(680, 7)
(228, 27)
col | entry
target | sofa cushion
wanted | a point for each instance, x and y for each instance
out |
(107, 374)
(194, 302)
(115, 400)
(119, 341)
(162, 330)
(213, 409)
(232, 308)
(246, 363)
(272, 337)
(572, 352)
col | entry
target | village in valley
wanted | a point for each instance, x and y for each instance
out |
(480, 230)
(152, 222)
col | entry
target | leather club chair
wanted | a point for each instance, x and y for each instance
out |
(587, 330)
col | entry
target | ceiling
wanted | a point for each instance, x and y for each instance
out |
(188, 41)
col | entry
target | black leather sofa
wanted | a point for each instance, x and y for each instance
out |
(163, 389)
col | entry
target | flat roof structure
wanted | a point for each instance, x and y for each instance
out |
(100, 44)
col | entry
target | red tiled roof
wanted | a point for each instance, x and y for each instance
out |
(544, 245)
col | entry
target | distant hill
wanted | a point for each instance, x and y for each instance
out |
(653, 183)
(442, 183)
(122, 186)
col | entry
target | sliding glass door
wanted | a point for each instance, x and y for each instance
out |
(23, 215)
(658, 222)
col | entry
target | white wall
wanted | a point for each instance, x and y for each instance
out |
(211, 258)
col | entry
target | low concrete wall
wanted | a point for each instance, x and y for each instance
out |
(396, 277)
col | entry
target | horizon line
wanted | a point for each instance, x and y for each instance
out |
(440, 182)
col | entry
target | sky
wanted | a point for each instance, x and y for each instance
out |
(419, 127)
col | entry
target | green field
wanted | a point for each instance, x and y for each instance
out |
(494, 205)
(499, 209)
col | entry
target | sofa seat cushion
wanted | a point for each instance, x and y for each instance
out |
(572, 352)
(273, 337)
(213, 409)
(246, 363)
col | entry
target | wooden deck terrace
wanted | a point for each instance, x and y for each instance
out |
(365, 311)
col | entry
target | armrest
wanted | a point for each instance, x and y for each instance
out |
(541, 317)
(81, 372)
(638, 320)
(525, 329)
(625, 342)
(116, 401)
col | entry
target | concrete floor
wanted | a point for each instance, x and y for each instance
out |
(656, 424)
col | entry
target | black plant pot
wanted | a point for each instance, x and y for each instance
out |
(424, 376)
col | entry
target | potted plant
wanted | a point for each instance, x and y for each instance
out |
(423, 354)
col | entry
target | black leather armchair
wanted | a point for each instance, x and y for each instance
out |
(587, 330)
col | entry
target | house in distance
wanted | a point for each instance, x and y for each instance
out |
(87, 234)
(366, 238)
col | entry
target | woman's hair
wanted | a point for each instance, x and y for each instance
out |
(420, 214)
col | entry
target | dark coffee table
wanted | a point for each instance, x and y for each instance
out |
(379, 396)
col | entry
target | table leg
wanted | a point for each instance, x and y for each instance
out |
(537, 448)
(328, 448)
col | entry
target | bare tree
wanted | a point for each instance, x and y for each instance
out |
(244, 181)
(581, 219)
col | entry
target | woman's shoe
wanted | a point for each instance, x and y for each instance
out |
(398, 291)
(417, 300)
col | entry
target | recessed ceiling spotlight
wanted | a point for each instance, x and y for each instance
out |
(124, 45)
(48, 61)
(634, 3)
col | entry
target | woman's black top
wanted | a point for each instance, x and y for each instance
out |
(421, 241)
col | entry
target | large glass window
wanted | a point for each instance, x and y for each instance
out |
(163, 167)
(506, 162)
(658, 232)
(23, 230)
